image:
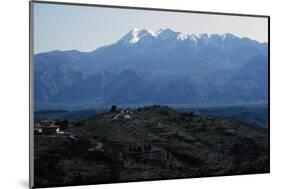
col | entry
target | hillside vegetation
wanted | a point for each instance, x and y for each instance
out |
(154, 142)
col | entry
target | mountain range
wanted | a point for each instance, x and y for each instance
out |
(146, 67)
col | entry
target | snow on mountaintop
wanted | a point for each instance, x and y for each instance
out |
(193, 38)
(227, 35)
(134, 34)
(137, 35)
(182, 36)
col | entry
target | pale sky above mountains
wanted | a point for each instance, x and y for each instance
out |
(63, 27)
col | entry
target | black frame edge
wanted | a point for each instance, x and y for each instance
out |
(149, 9)
(31, 137)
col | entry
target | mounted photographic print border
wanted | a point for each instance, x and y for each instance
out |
(153, 119)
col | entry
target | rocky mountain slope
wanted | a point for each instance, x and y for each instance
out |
(143, 65)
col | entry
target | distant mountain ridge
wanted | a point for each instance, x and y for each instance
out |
(147, 35)
(146, 67)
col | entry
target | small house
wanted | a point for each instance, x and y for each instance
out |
(38, 130)
(52, 129)
(127, 116)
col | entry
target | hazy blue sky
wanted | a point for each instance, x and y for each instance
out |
(62, 27)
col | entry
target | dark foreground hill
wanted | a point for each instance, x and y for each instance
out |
(149, 143)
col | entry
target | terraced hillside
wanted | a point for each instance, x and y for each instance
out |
(154, 142)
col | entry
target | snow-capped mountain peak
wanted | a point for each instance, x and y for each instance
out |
(166, 33)
(135, 35)
(193, 38)
(146, 35)
(182, 36)
(227, 35)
